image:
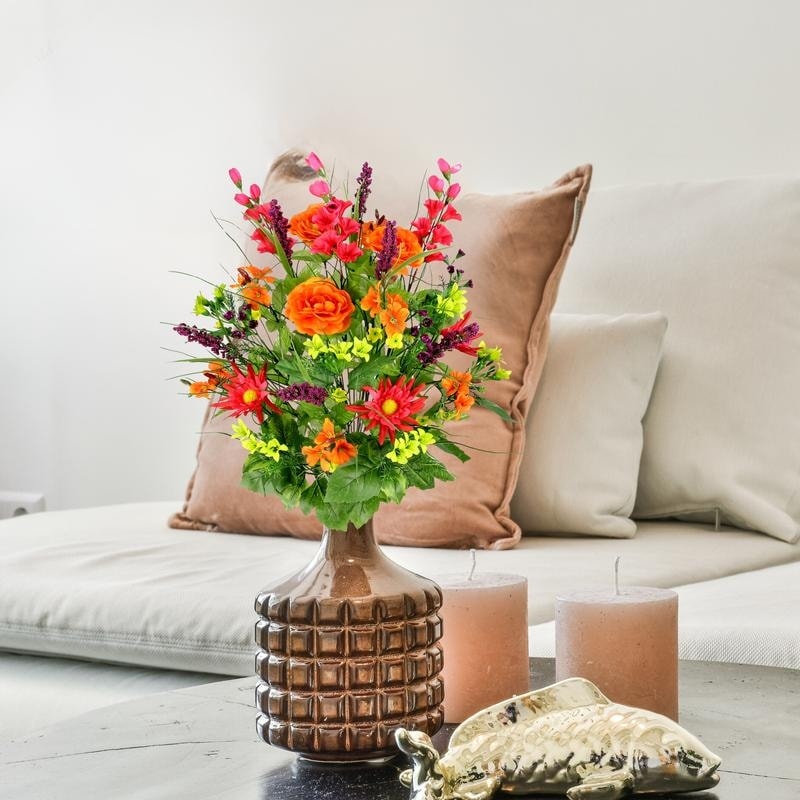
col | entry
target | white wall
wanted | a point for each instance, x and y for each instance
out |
(119, 121)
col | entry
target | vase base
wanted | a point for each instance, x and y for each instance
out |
(344, 760)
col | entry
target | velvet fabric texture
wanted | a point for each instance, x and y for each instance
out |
(516, 250)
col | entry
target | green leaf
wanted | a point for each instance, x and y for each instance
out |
(367, 374)
(393, 485)
(313, 496)
(355, 482)
(337, 515)
(423, 470)
(453, 450)
(492, 406)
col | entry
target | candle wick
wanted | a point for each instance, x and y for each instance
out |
(474, 563)
(616, 574)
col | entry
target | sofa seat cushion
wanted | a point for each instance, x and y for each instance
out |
(749, 618)
(115, 584)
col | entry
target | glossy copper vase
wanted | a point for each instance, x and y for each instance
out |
(349, 652)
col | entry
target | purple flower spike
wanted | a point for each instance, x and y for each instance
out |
(305, 392)
(281, 227)
(389, 250)
(205, 338)
(364, 181)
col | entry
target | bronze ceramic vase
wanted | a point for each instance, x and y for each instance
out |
(349, 652)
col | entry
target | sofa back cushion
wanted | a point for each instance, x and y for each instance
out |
(516, 250)
(722, 261)
(584, 429)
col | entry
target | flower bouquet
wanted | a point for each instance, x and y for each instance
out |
(337, 354)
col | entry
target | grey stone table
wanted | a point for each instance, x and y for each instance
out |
(200, 743)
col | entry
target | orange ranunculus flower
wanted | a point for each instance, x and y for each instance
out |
(372, 301)
(256, 295)
(407, 243)
(329, 450)
(394, 316)
(302, 226)
(318, 305)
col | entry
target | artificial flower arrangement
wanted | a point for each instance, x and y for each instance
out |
(335, 353)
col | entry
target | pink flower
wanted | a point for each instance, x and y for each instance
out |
(434, 207)
(453, 191)
(242, 199)
(450, 213)
(348, 251)
(422, 226)
(326, 243)
(313, 161)
(319, 188)
(236, 177)
(441, 235)
(257, 213)
(448, 169)
(348, 226)
(263, 242)
(255, 191)
(436, 183)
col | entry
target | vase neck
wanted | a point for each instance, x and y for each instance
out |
(354, 543)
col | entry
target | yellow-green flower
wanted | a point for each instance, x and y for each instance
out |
(361, 348)
(219, 291)
(375, 334)
(272, 449)
(255, 313)
(395, 341)
(493, 353)
(315, 346)
(453, 304)
(341, 350)
(410, 444)
(338, 395)
(200, 306)
(502, 374)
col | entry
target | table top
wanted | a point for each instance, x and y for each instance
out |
(200, 743)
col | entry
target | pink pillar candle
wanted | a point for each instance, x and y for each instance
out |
(625, 643)
(485, 641)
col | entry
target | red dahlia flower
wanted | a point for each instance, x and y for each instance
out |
(247, 393)
(391, 407)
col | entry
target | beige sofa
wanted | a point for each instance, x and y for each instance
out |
(101, 604)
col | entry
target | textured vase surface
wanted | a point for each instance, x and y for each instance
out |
(349, 652)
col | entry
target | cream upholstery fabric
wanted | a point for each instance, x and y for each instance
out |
(116, 584)
(722, 261)
(584, 428)
(749, 618)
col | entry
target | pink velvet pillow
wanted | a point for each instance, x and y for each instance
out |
(516, 249)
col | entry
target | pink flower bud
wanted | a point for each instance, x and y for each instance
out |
(436, 183)
(313, 161)
(242, 199)
(235, 176)
(453, 191)
(255, 191)
(447, 168)
(319, 188)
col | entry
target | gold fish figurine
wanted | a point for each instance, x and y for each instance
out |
(567, 738)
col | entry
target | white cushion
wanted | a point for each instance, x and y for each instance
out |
(116, 584)
(749, 618)
(584, 428)
(722, 261)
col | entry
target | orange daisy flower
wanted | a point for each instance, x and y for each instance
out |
(394, 316)
(371, 301)
(256, 295)
(329, 450)
(407, 243)
(456, 383)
